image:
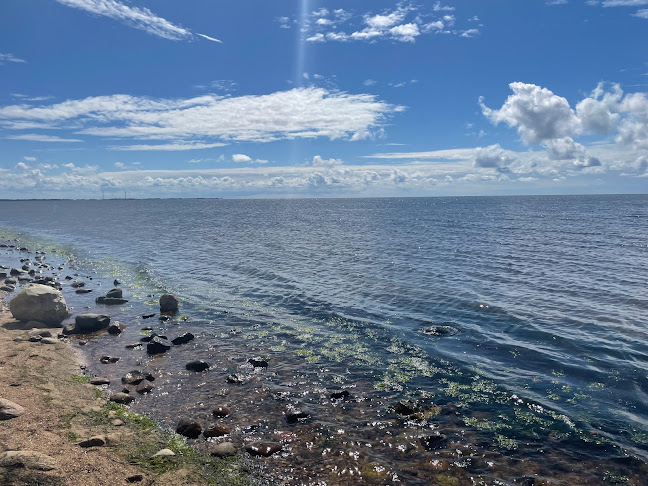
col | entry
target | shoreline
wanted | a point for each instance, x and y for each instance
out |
(61, 411)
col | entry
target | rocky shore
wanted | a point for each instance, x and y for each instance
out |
(60, 426)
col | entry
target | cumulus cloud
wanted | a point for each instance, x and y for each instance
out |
(242, 158)
(319, 161)
(299, 113)
(492, 157)
(564, 149)
(139, 18)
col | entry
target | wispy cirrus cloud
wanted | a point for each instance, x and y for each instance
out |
(5, 58)
(305, 113)
(136, 17)
(641, 13)
(35, 137)
(168, 147)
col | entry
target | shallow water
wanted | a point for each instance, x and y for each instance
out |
(543, 375)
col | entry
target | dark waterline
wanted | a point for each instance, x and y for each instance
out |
(546, 297)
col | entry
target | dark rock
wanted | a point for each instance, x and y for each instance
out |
(116, 282)
(16, 271)
(339, 394)
(115, 294)
(7, 288)
(10, 281)
(297, 416)
(258, 362)
(135, 478)
(110, 301)
(35, 339)
(123, 398)
(135, 377)
(224, 449)
(235, 379)
(264, 449)
(221, 411)
(147, 328)
(108, 359)
(82, 291)
(164, 318)
(10, 410)
(116, 328)
(133, 346)
(125, 390)
(405, 408)
(434, 441)
(100, 381)
(216, 430)
(77, 284)
(168, 303)
(183, 338)
(144, 386)
(97, 441)
(87, 323)
(148, 316)
(158, 346)
(48, 340)
(197, 366)
(189, 428)
(440, 331)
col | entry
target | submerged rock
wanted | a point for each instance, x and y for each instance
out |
(258, 362)
(189, 428)
(39, 303)
(183, 338)
(110, 301)
(144, 386)
(295, 416)
(116, 328)
(339, 395)
(88, 323)
(157, 345)
(264, 449)
(135, 377)
(440, 331)
(434, 441)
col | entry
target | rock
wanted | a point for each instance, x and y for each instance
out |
(110, 301)
(148, 316)
(117, 422)
(39, 303)
(189, 428)
(221, 411)
(216, 430)
(28, 460)
(434, 441)
(168, 303)
(440, 331)
(135, 478)
(88, 323)
(405, 408)
(258, 362)
(224, 449)
(10, 410)
(108, 359)
(77, 284)
(48, 340)
(144, 386)
(164, 318)
(339, 395)
(158, 345)
(235, 379)
(10, 281)
(45, 333)
(7, 288)
(99, 381)
(35, 339)
(96, 441)
(82, 291)
(116, 328)
(116, 282)
(197, 366)
(16, 271)
(264, 449)
(133, 345)
(297, 416)
(114, 294)
(183, 338)
(135, 377)
(121, 397)
(164, 453)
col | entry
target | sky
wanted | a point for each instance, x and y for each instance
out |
(322, 98)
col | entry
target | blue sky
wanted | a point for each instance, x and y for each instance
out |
(319, 98)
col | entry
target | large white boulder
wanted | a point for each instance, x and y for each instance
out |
(39, 303)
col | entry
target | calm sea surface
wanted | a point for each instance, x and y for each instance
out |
(516, 327)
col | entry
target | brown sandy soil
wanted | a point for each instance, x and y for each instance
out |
(61, 411)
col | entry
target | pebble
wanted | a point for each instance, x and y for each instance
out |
(264, 449)
(224, 449)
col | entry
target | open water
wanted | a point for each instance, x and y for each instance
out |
(515, 327)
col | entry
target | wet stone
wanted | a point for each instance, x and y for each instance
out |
(116, 328)
(405, 408)
(221, 411)
(297, 416)
(189, 428)
(123, 398)
(339, 395)
(144, 386)
(434, 441)
(158, 346)
(82, 291)
(216, 430)
(99, 381)
(264, 449)
(148, 316)
(108, 359)
(183, 338)
(133, 346)
(234, 379)
(197, 366)
(110, 301)
(258, 362)
(135, 377)
(114, 294)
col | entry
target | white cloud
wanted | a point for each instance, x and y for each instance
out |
(596, 111)
(120, 165)
(29, 159)
(405, 32)
(299, 113)
(318, 161)
(4, 58)
(35, 137)
(642, 13)
(241, 158)
(564, 149)
(169, 147)
(492, 157)
(536, 112)
(624, 3)
(210, 38)
(139, 18)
